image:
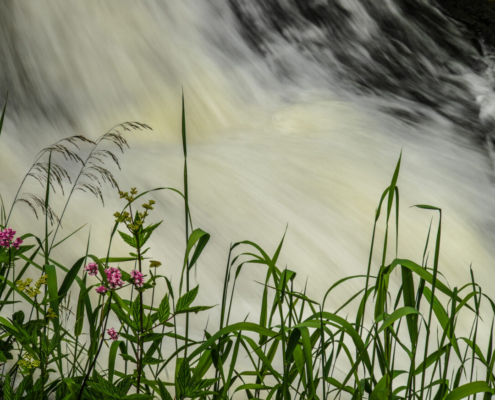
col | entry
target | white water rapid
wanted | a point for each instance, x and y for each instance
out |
(297, 112)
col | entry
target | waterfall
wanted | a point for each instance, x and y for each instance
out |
(297, 111)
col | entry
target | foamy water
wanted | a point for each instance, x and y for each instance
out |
(279, 138)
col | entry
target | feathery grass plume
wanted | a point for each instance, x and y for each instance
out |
(39, 170)
(34, 201)
(93, 168)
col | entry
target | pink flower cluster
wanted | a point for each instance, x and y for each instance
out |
(92, 269)
(114, 277)
(7, 239)
(138, 278)
(113, 335)
(101, 289)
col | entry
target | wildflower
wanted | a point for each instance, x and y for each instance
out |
(155, 264)
(25, 286)
(50, 314)
(17, 243)
(7, 239)
(101, 289)
(22, 285)
(114, 277)
(92, 269)
(32, 292)
(113, 335)
(42, 281)
(122, 217)
(138, 278)
(28, 361)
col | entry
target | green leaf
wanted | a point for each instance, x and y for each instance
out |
(103, 386)
(145, 234)
(131, 241)
(164, 394)
(184, 377)
(430, 360)
(3, 303)
(185, 301)
(408, 294)
(138, 396)
(293, 342)
(51, 272)
(130, 338)
(3, 112)
(151, 337)
(8, 393)
(164, 310)
(70, 277)
(9, 325)
(122, 314)
(469, 389)
(397, 314)
(127, 357)
(195, 310)
(111, 359)
(3, 359)
(151, 361)
(136, 310)
(201, 238)
(253, 386)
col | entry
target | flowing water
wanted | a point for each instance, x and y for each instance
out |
(297, 111)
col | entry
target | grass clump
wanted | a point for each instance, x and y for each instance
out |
(400, 344)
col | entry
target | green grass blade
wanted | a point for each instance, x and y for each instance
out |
(3, 112)
(469, 389)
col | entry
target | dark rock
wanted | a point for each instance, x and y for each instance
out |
(477, 15)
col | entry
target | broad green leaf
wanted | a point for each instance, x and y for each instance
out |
(131, 241)
(253, 386)
(469, 389)
(397, 314)
(70, 277)
(111, 359)
(164, 310)
(8, 393)
(185, 301)
(195, 309)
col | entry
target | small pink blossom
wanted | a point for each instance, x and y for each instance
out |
(101, 289)
(92, 269)
(138, 278)
(7, 239)
(17, 243)
(114, 277)
(113, 335)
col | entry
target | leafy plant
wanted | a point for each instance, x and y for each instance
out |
(399, 344)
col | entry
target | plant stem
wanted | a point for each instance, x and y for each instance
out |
(99, 348)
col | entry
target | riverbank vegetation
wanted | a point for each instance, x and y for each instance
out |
(402, 343)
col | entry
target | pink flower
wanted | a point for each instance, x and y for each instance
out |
(138, 278)
(113, 335)
(92, 269)
(114, 277)
(17, 243)
(7, 237)
(101, 289)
